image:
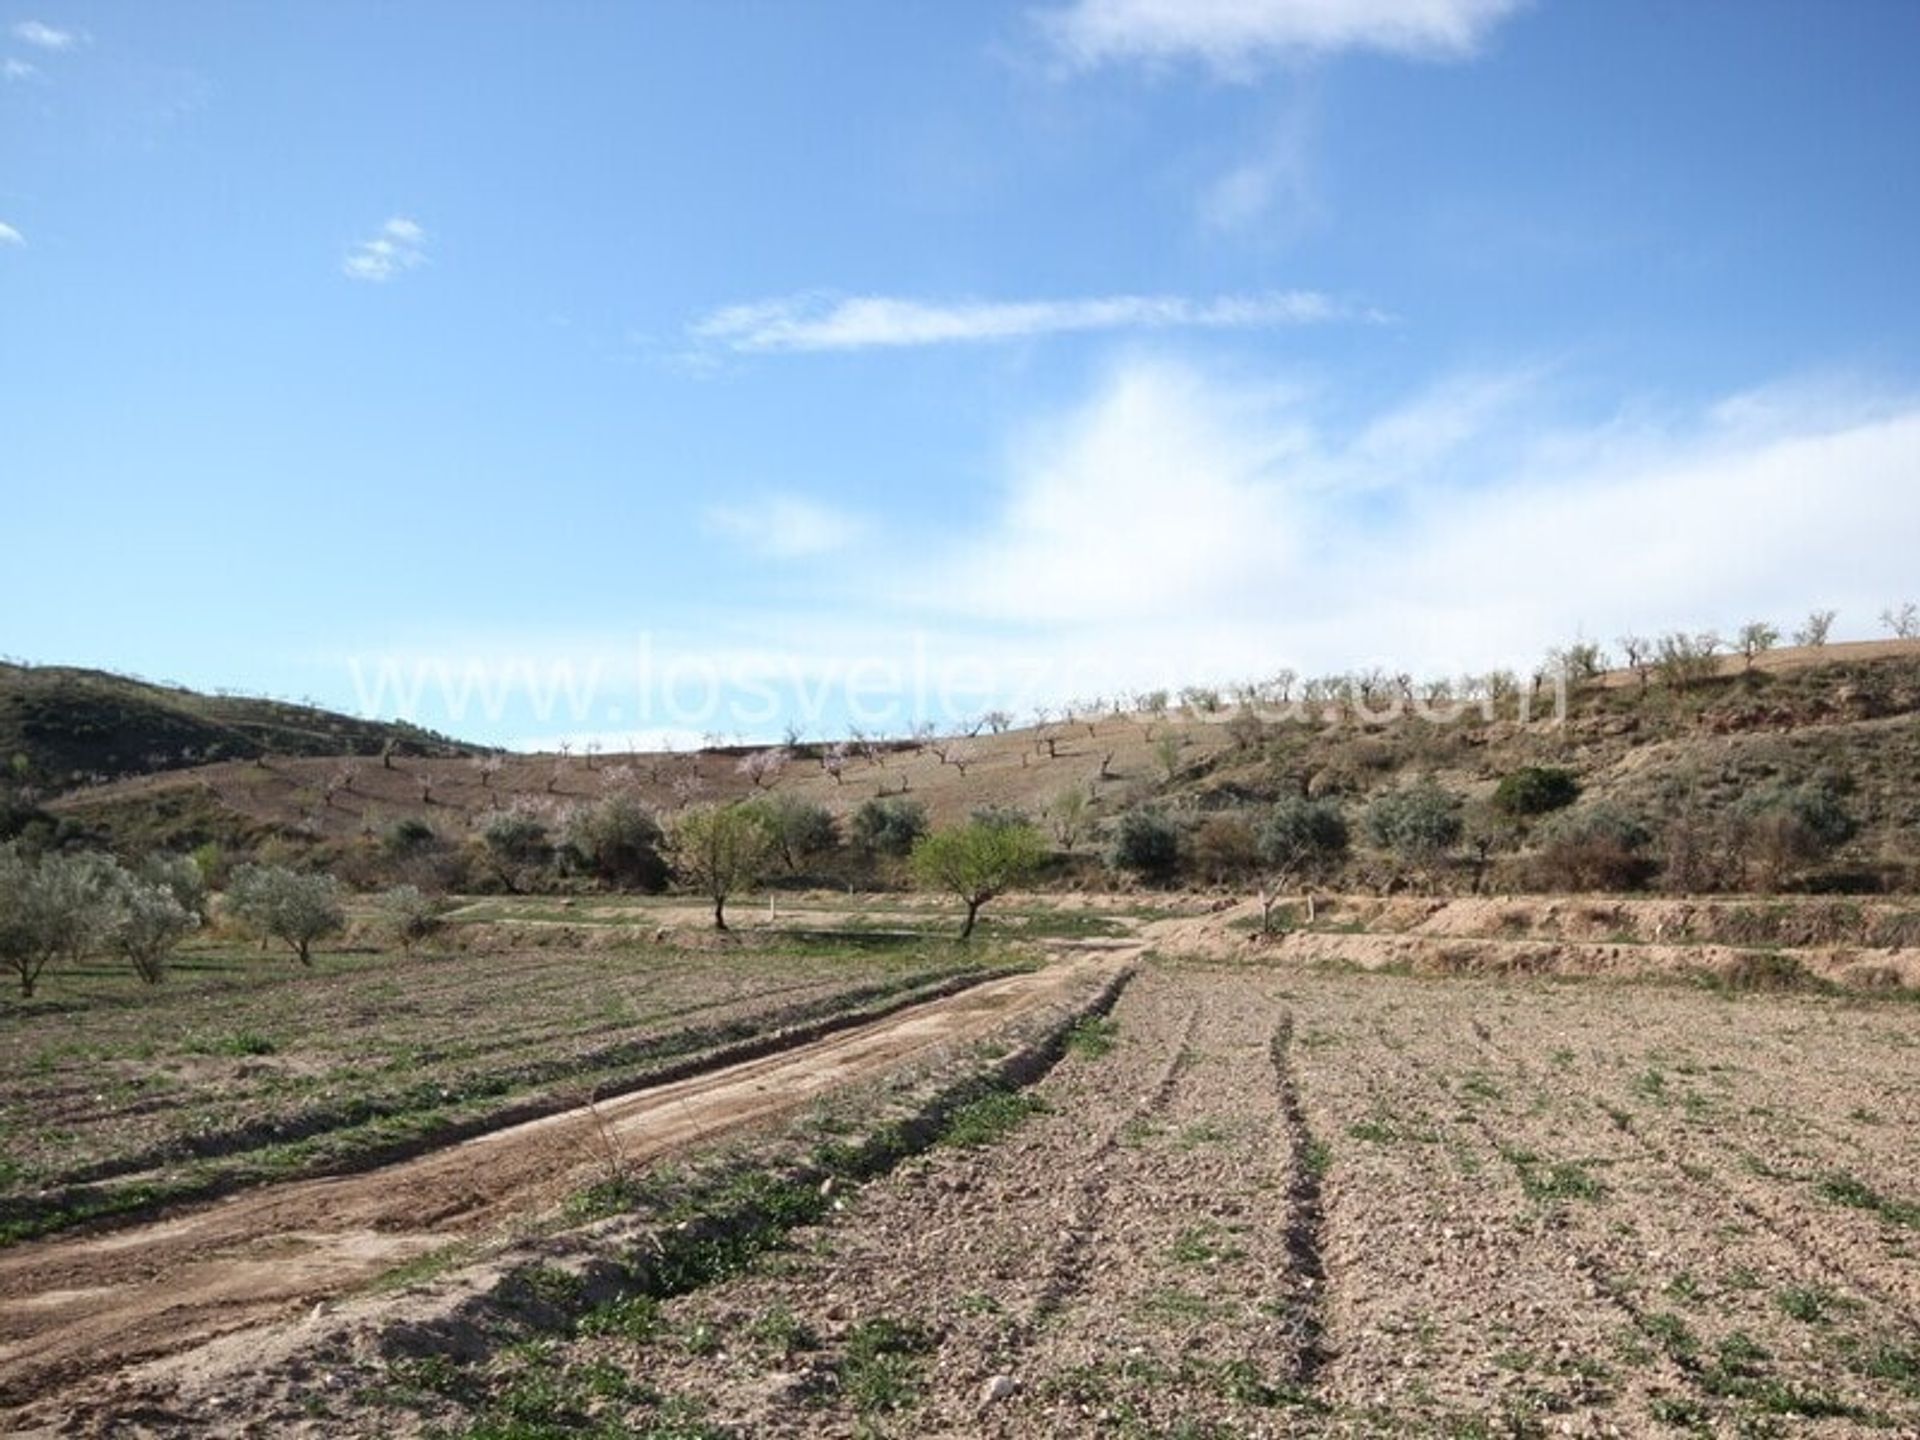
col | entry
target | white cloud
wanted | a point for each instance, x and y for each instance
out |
(1173, 526)
(11, 236)
(786, 527)
(1235, 36)
(825, 322)
(14, 69)
(45, 37)
(399, 246)
(1274, 193)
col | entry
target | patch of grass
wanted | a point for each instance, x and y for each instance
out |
(990, 1118)
(634, 1317)
(1680, 1414)
(1203, 1132)
(239, 1043)
(1093, 1036)
(1811, 1305)
(1549, 1181)
(1671, 1334)
(1844, 1189)
(1176, 1304)
(1204, 1245)
(780, 1330)
(881, 1367)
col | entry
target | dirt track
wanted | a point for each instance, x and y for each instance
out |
(76, 1307)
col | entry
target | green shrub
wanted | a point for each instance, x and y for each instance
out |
(1419, 823)
(618, 840)
(889, 826)
(1147, 844)
(1536, 790)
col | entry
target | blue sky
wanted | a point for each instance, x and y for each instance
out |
(839, 359)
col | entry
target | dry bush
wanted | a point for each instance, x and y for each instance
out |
(1224, 849)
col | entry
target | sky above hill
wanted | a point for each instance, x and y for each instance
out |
(660, 370)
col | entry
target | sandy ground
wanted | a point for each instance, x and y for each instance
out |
(79, 1307)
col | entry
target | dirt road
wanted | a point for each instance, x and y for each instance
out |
(78, 1307)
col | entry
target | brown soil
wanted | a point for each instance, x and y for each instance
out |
(1311, 1204)
(76, 1308)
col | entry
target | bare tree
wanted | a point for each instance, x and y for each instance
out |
(834, 759)
(998, 721)
(1903, 620)
(1167, 751)
(1756, 637)
(1638, 652)
(1068, 814)
(1814, 632)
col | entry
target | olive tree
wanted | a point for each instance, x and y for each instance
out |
(1419, 824)
(285, 905)
(888, 826)
(977, 861)
(408, 915)
(618, 838)
(800, 829)
(1299, 839)
(1148, 844)
(1783, 827)
(718, 850)
(144, 923)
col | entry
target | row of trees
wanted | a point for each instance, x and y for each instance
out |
(1769, 836)
(70, 906)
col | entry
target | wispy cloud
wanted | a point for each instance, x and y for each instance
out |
(10, 236)
(45, 37)
(786, 527)
(1237, 36)
(15, 69)
(1462, 527)
(1274, 192)
(399, 246)
(826, 322)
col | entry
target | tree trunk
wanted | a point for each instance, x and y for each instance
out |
(719, 912)
(973, 911)
(301, 946)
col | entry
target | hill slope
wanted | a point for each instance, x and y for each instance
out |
(1849, 714)
(61, 727)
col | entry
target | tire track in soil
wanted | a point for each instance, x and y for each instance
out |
(1437, 1264)
(77, 1306)
(1116, 1257)
(1187, 1301)
(1094, 1188)
(1306, 1210)
(1799, 1239)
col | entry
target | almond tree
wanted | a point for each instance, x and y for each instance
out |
(1068, 812)
(978, 861)
(719, 850)
(764, 767)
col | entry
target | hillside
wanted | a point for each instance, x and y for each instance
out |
(62, 727)
(1846, 716)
